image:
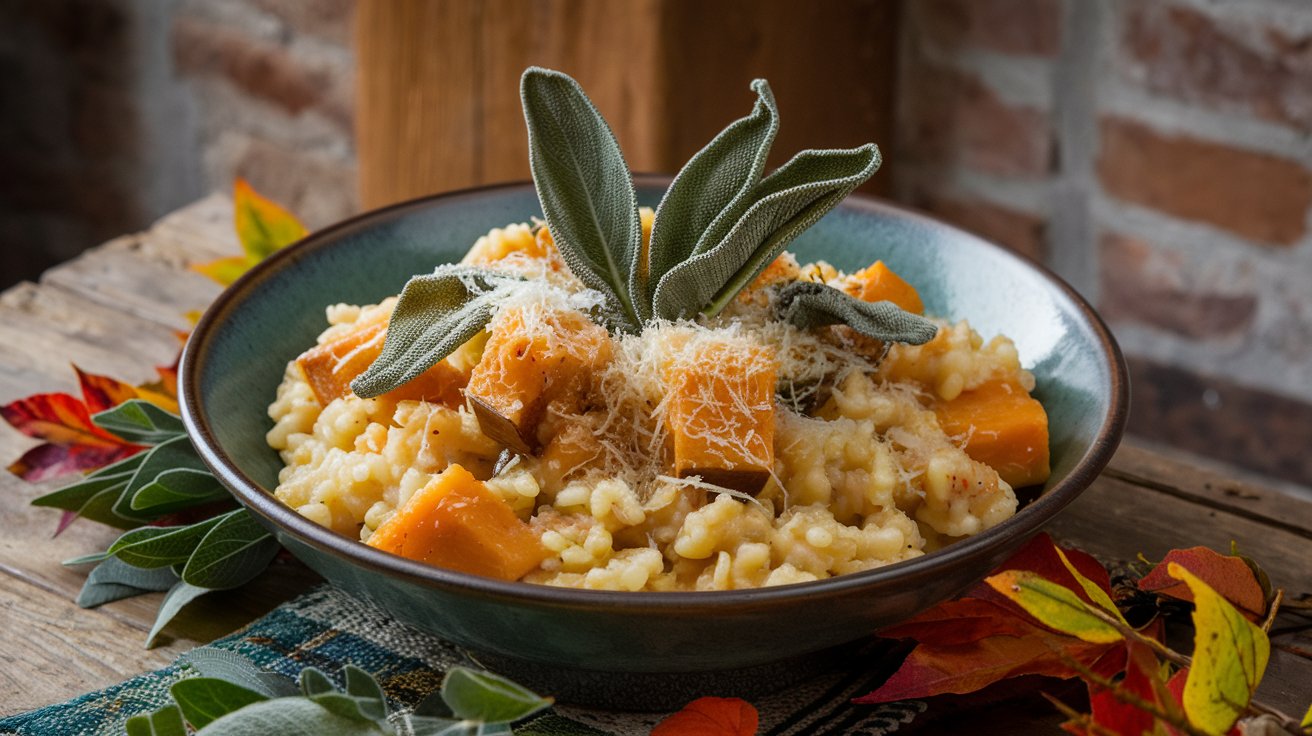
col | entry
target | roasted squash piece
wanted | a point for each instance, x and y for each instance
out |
(878, 283)
(456, 522)
(534, 357)
(721, 413)
(329, 368)
(1001, 426)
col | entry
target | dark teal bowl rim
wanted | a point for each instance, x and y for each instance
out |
(273, 513)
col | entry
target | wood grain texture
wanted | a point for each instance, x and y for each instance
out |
(438, 82)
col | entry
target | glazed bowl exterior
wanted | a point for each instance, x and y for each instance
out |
(235, 360)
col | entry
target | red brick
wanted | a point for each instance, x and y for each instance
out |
(1028, 27)
(326, 19)
(954, 118)
(1141, 286)
(1225, 64)
(1019, 231)
(1253, 194)
(262, 69)
(1221, 420)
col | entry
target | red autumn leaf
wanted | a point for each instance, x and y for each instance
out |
(102, 392)
(56, 418)
(960, 622)
(711, 717)
(1227, 575)
(1039, 556)
(48, 460)
(1142, 680)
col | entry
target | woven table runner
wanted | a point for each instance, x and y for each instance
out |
(327, 628)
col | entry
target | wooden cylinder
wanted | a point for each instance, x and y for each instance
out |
(438, 80)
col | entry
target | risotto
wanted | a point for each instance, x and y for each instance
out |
(732, 452)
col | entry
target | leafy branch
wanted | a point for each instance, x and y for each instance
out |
(233, 697)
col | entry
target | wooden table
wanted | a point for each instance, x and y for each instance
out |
(116, 310)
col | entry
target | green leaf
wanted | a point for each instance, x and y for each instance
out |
(1054, 606)
(714, 185)
(806, 304)
(166, 457)
(1091, 589)
(207, 699)
(74, 496)
(232, 667)
(114, 580)
(231, 553)
(174, 490)
(362, 686)
(166, 721)
(314, 682)
(436, 314)
(585, 188)
(1230, 656)
(483, 696)
(140, 421)
(127, 465)
(178, 596)
(430, 726)
(161, 546)
(288, 717)
(784, 204)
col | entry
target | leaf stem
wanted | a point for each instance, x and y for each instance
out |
(1131, 699)
(1274, 610)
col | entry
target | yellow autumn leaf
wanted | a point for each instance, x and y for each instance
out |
(263, 226)
(1230, 655)
(1307, 719)
(1054, 605)
(1092, 589)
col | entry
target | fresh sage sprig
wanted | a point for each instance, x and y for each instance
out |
(435, 314)
(224, 549)
(719, 225)
(233, 697)
(807, 305)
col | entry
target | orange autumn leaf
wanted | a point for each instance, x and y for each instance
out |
(263, 226)
(72, 442)
(1229, 576)
(711, 717)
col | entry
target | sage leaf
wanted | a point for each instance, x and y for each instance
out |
(785, 203)
(114, 579)
(74, 496)
(204, 700)
(718, 179)
(435, 314)
(234, 668)
(161, 546)
(140, 421)
(413, 725)
(362, 686)
(314, 682)
(585, 189)
(166, 721)
(288, 717)
(174, 490)
(483, 696)
(168, 456)
(807, 304)
(178, 596)
(231, 553)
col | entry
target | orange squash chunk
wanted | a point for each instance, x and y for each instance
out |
(1003, 427)
(525, 367)
(879, 283)
(329, 369)
(457, 523)
(721, 415)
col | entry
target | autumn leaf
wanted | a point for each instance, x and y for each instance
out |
(1230, 655)
(1142, 691)
(711, 717)
(263, 227)
(1229, 576)
(72, 442)
(1054, 605)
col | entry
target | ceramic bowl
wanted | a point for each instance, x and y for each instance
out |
(236, 357)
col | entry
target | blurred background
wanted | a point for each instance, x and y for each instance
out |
(1157, 154)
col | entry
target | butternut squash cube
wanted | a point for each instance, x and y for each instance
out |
(329, 369)
(721, 414)
(456, 522)
(878, 283)
(1001, 426)
(534, 357)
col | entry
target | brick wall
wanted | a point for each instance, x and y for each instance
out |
(1158, 155)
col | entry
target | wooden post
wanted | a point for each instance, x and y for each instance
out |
(438, 99)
